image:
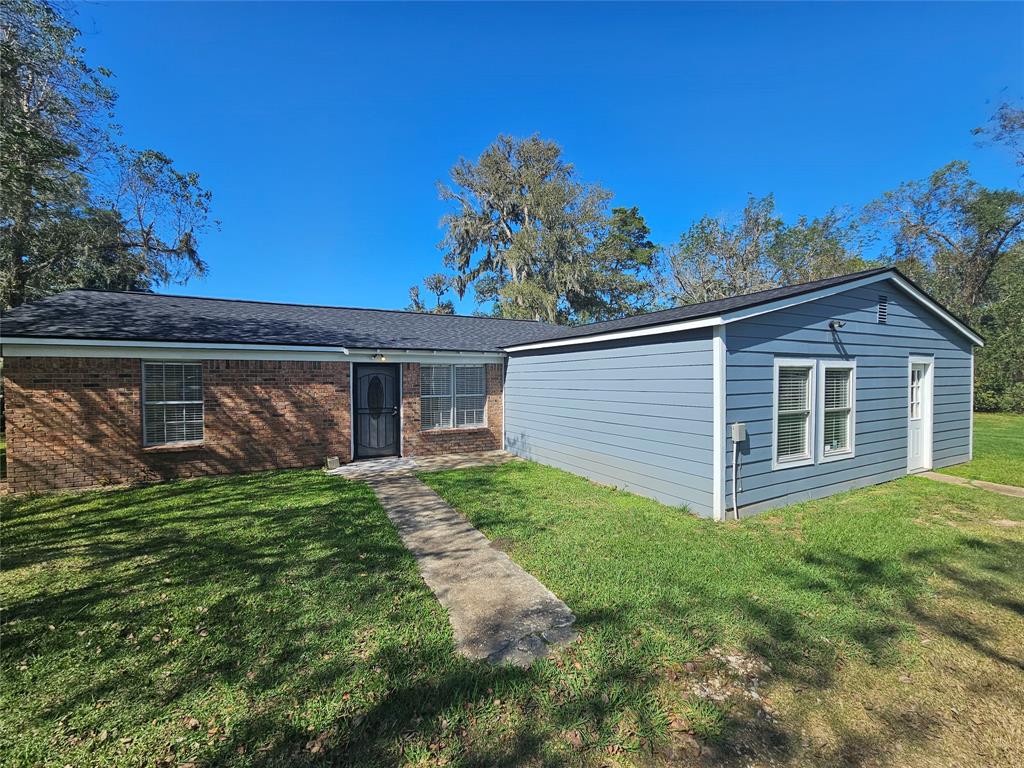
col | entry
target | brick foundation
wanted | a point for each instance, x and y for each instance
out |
(436, 442)
(77, 422)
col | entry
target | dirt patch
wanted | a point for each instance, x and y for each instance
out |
(1003, 523)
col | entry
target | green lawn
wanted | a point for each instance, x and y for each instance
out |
(998, 450)
(275, 619)
(880, 612)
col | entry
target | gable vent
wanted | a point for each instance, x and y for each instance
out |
(883, 309)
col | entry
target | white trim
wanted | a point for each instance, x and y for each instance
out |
(927, 411)
(794, 362)
(504, 376)
(182, 351)
(29, 341)
(761, 309)
(351, 412)
(650, 330)
(970, 429)
(824, 365)
(718, 422)
(908, 288)
(401, 408)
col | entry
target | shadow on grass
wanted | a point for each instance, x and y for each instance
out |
(807, 592)
(282, 613)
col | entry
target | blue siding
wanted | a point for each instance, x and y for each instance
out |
(635, 414)
(881, 352)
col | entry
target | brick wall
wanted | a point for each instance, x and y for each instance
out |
(440, 441)
(75, 422)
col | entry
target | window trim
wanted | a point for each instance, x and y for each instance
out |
(849, 453)
(455, 397)
(811, 366)
(143, 402)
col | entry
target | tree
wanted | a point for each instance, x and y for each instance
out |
(952, 232)
(1006, 127)
(621, 279)
(78, 208)
(437, 284)
(716, 258)
(523, 230)
(999, 368)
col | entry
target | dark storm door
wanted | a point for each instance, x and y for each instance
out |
(376, 410)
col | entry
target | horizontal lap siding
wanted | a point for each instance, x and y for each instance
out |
(633, 415)
(881, 352)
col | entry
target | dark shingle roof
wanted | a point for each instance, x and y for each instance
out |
(111, 315)
(705, 309)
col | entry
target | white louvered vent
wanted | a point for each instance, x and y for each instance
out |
(883, 309)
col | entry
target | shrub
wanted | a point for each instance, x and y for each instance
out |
(1012, 399)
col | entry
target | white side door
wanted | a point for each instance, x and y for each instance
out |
(919, 415)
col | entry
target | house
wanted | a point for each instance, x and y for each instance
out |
(752, 402)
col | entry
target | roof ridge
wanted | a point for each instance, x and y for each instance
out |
(295, 304)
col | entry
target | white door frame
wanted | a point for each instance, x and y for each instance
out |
(927, 410)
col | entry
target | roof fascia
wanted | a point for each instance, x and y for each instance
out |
(649, 330)
(760, 309)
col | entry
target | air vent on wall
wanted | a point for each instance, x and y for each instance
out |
(883, 309)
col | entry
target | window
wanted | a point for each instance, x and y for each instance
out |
(435, 396)
(172, 403)
(916, 376)
(838, 385)
(470, 395)
(452, 396)
(793, 406)
(883, 309)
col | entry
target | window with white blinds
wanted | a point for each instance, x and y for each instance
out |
(793, 396)
(172, 403)
(470, 395)
(452, 396)
(837, 405)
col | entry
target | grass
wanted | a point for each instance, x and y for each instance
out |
(998, 450)
(890, 617)
(275, 619)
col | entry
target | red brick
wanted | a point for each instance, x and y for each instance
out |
(77, 422)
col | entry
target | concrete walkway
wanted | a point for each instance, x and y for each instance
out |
(1006, 490)
(498, 611)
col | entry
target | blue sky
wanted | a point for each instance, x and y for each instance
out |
(323, 128)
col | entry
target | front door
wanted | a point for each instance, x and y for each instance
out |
(919, 416)
(375, 410)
